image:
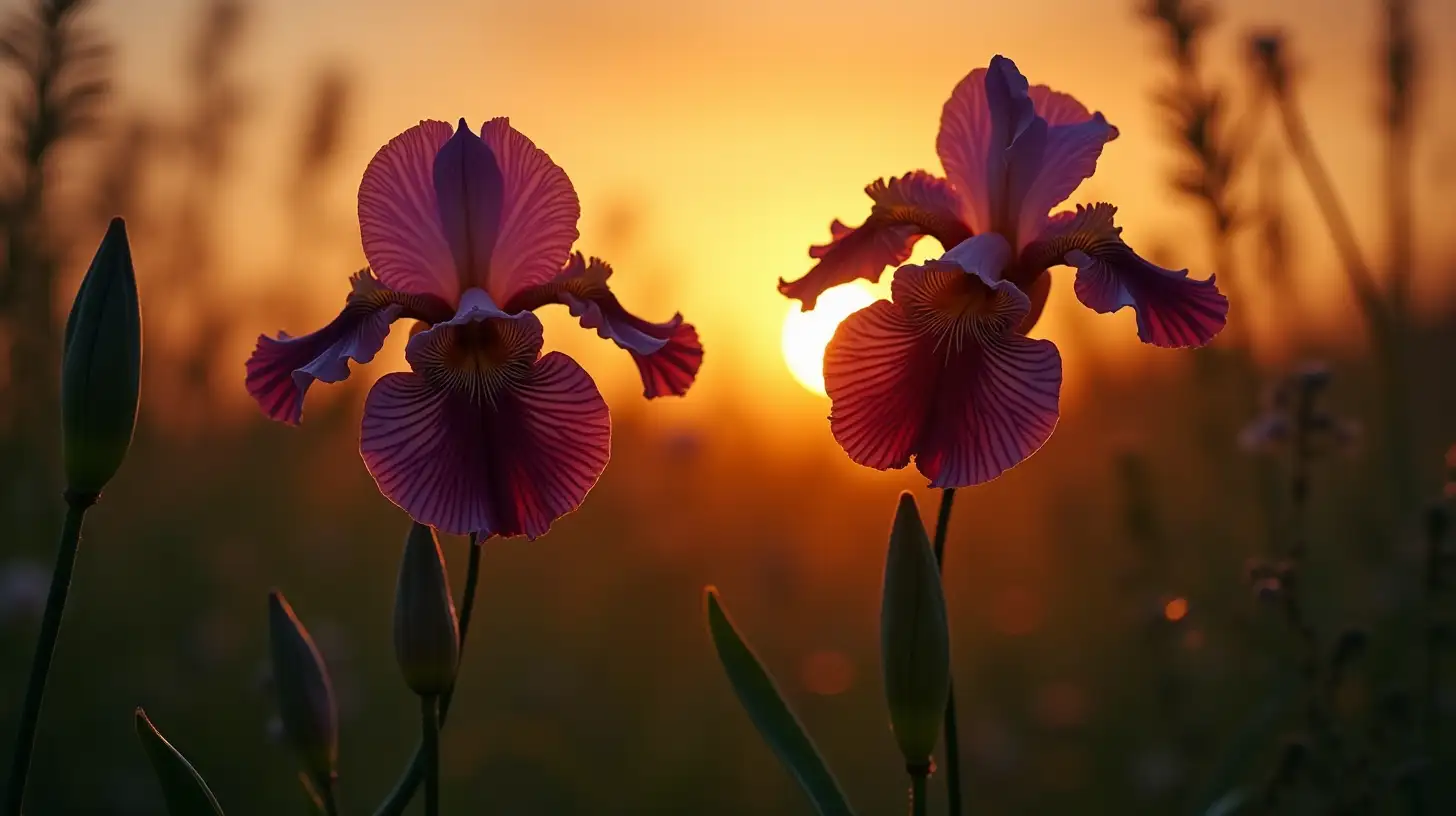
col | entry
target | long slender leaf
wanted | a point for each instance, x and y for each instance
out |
(182, 788)
(1219, 794)
(775, 720)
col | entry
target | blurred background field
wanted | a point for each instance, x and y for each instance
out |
(1112, 654)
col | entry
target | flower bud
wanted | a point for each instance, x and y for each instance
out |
(305, 695)
(101, 366)
(426, 632)
(914, 637)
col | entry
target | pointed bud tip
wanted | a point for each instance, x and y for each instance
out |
(914, 636)
(426, 629)
(907, 503)
(101, 366)
(711, 605)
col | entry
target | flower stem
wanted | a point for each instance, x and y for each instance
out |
(952, 737)
(50, 628)
(430, 741)
(918, 804)
(409, 781)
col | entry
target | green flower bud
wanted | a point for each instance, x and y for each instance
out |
(914, 637)
(101, 366)
(305, 695)
(426, 632)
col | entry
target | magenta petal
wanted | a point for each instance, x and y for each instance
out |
(963, 144)
(1057, 108)
(668, 355)
(509, 467)
(905, 208)
(1068, 158)
(941, 376)
(851, 254)
(996, 406)
(281, 369)
(671, 369)
(538, 222)
(399, 220)
(468, 192)
(986, 255)
(986, 112)
(1173, 310)
(879, 372)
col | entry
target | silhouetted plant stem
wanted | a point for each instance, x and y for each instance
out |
(952, 737)
(331, 804)
(430, 741)
(409, 781)
(1383, 325)
(50, 628)
(1400, 65)
(918, 804)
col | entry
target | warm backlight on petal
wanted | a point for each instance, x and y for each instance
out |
(805, 334)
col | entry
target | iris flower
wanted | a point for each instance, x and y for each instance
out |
(468, 235)
(943, 372)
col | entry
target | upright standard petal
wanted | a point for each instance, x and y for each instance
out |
(668, 355)
(1068, 158)
(941, 375)
(905, 209)
(1173, 310)
(1013, 152)
(399, 215)
(282, 368)
(539, 215)
(987, 111)
(484, 436)
(469, 193)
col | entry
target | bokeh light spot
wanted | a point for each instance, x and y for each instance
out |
(1176, 609)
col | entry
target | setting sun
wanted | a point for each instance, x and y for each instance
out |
(806, 334)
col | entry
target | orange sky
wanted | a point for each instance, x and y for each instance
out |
(736, 130)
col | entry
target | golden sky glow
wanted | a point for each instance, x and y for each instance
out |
(712, 142)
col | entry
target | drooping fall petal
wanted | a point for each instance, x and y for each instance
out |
(668, 355)
(399, 216)
(282, 368)
(941, 375)
(539, 216)
(905, 209)
(485, 437)
(880, 373)
(1173, 310)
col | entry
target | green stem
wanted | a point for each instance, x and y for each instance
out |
(409, 781)
(952, 736)
(918, 802)
(50, 629)
(430, 740)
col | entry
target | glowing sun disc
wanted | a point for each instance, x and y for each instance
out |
(805, 334)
